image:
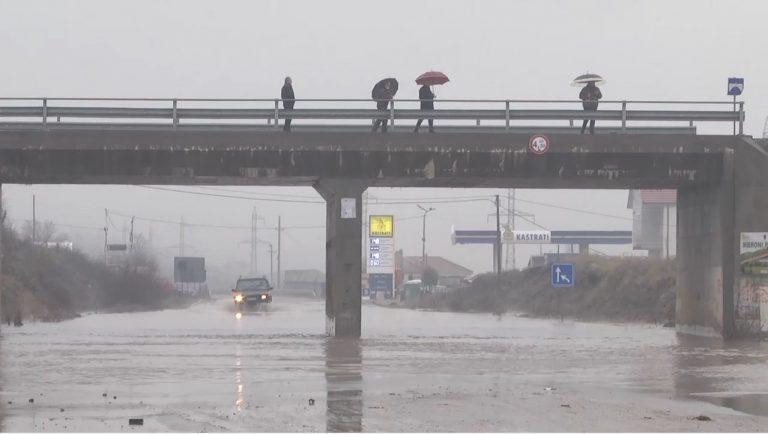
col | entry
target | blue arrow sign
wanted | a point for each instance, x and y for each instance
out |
(562, 275)
(735, 86)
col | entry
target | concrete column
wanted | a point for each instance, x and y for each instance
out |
(2, 224)
(706, 256)
(343, 260)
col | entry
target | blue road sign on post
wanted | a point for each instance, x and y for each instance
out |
(562, 275)
(735, 86)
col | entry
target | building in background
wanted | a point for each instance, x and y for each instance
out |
(654, 217)
(304, 282)
(451, 274)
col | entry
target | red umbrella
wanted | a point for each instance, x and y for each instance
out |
(430, 78)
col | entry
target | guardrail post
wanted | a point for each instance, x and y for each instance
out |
(175, 114)
(392, 113)
(277, 112)
(623, 116)
(45, 112)
(506, 114)
(741, 118)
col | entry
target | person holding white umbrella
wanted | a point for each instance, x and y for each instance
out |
(589, 95)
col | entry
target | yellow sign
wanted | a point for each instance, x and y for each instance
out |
(380, 226)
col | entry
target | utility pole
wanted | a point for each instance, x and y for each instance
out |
(181, 236)
(424, 235)
(514, 214)
(271, 272)
(106, 229)
(34, 221)
(253, 242)
(498, 238)
(666, 208)
(130, 239)
(279, 248)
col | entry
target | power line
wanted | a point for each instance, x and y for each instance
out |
(229, 196)
(230, 190)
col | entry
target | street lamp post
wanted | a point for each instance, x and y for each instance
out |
(424, 234)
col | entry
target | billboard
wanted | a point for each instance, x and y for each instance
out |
(188, 269)
(381, 226)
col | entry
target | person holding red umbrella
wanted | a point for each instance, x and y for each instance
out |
(426, 96)
(427, 99)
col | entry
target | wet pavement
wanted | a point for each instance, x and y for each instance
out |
(204, 369)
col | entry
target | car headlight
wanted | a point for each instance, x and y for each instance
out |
(239, 298)
(263, 296)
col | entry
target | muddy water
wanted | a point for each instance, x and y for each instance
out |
(205, 369)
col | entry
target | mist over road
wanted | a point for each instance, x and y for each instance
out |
(204, 369)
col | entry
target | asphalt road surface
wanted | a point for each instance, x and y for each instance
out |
(204, 369)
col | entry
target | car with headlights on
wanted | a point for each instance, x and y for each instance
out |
(252, 292)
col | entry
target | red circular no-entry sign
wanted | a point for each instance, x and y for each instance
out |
(538, 144)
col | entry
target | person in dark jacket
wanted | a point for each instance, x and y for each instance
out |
(589, 96)
(286, 94)
(382, 102)
(427, 103)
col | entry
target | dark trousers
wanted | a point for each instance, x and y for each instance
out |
(431, 123)
(287, 124)
(590, 121)
(382, 122)
(382, 107)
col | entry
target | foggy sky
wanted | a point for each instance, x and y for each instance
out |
(509, 49)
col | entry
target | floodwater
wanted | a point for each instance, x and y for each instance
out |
(204, 369)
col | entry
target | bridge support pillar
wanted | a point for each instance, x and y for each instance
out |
(343, 254)
(714, 297)
(2, 224)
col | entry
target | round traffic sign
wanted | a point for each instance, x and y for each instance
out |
(538, 144)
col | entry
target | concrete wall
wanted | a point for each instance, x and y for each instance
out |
(751, 215)
(704, 267)
(710, 221)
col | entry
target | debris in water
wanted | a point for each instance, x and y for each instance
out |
(647, 417)
(549, 389)
(31, 400)
(104, 395)
(702, 418)
(311, 401)
(114, 397)
(10, 402)
(136, 421)
(565, 405)
(61, 410)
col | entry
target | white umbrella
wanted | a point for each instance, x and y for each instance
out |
(587, 78)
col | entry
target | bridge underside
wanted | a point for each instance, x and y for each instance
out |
(720, 179)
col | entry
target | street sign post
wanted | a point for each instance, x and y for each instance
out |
(562, 275)
(735, 88)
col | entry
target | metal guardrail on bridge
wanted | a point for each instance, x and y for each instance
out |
(126, 112)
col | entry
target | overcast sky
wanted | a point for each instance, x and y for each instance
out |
(682, 50)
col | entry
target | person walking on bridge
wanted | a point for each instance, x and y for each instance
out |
(427, 99)
(286, 94)
(589, 95)
(382, 93)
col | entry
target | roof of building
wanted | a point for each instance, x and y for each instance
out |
(657, 197)
(444, 267)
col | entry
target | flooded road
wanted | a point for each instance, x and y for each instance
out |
(203, 369)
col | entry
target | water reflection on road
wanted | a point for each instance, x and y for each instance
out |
(344, 394)
(205, 368)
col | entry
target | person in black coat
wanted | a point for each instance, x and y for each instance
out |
(589, 96)
(427, 103)
(286, 94)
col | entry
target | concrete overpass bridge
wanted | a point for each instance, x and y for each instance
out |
(721, 183)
